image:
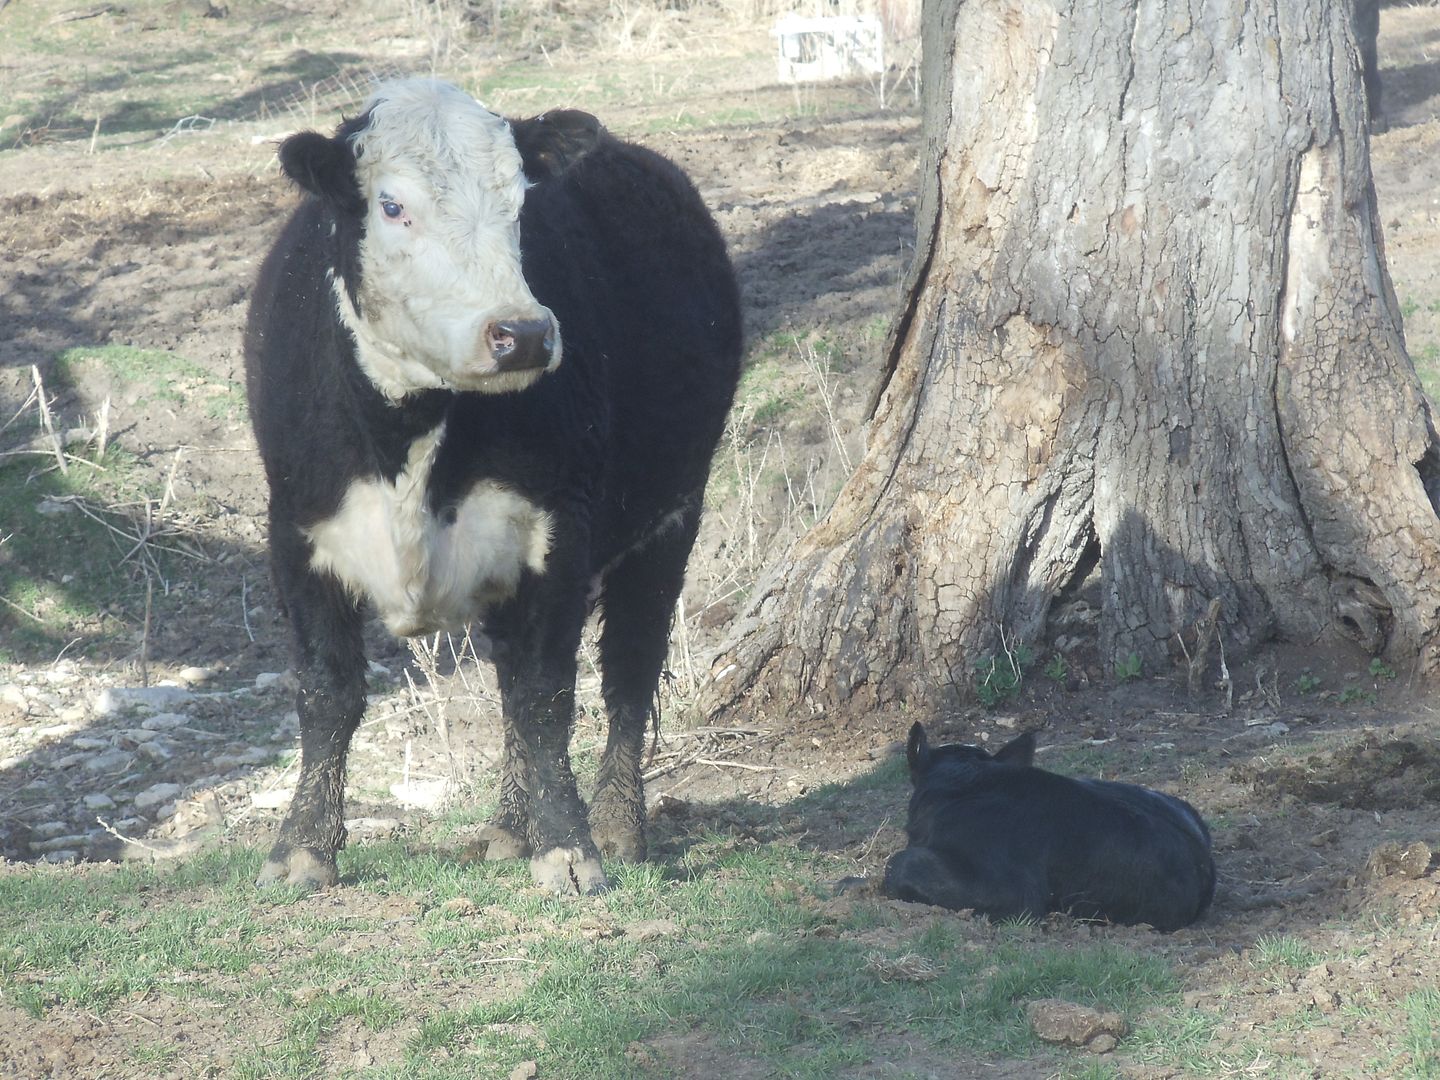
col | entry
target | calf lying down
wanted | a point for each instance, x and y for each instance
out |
(1000, 836)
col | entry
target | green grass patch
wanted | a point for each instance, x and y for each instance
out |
(159, 375)
(63, 572)
(1422, 1040)
(748, 959)
(72, 567)
(1284, 951)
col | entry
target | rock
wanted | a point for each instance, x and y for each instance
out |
(251, 755)
(109, 761)
(89, 742)
(370, 828)
(421, 794)
(59, 843)
(158, 751)
(273, 799)
(526, 1070)
(65, 855)
(275, 680)
(14, 696)
(155, 795)
(167, 721)
(98, 800)
(48, 830)
(1057, 1021)
(201, 812)
(153, 698)
(195, 676)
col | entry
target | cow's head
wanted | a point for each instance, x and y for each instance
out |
(425, 188)
(959, 758)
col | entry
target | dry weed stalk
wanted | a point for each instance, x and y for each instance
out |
(47, 423)
(827, 385)
(467, 685)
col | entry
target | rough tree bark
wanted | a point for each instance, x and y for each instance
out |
(1149, 324)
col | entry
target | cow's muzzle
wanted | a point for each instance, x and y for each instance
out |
(521, 344)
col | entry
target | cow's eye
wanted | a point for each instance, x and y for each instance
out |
(391, 208)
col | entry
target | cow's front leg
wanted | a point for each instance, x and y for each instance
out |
(536, 666)
(330, 664)
(507, 834)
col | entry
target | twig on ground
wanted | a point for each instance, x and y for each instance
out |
(29, 615)
(736, 765)
(47, 422)
(127, 839)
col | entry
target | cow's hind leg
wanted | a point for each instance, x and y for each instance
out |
(638, 599)
(330, 664)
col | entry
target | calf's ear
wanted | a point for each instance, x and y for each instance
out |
(322, 166)
(551, 143)
(917, 749)
(1018, 751)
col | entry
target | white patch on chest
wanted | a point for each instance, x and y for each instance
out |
(422, 574)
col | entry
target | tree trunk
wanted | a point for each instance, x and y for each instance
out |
(1149, 325)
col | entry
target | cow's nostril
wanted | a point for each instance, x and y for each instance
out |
(516, 344)
(501, 340)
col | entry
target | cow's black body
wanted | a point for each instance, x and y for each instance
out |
(997, 835)
(614, 445)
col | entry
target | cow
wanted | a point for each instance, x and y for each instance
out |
(488, 362)
(997, 835)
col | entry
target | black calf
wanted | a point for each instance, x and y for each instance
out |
(1000, 836)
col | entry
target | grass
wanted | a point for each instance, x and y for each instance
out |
(1284, 951)
(1422, 1041)
(728, 945)
(747, 959)
(60, 570)
(84, 550)
(153, 374)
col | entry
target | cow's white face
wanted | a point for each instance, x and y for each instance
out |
(428, 186)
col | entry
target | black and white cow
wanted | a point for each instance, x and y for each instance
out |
(1006, 839)
(488, 362)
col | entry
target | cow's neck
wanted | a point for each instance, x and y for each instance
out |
(390, 427)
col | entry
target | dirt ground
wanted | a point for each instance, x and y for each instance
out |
(1321, 775)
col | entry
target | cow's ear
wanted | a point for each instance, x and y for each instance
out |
(1018, 751)
(917, 749)
(552, 143)
(322, 166)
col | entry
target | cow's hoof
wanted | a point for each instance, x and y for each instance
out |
(502, 843)
(299, 868)
(568, 872)
(619, 840)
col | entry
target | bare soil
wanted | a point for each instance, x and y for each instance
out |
(1319, 773)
